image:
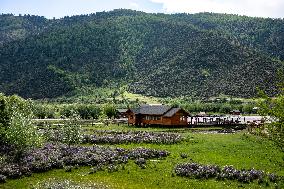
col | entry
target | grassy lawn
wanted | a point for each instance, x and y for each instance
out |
(240, 150)
(141, 98)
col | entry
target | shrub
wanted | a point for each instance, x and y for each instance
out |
(199, 171)
(2, 178)
(274, 107)
(109, 110)
(58, 156)
(118, 137)
(141, 162)
(21, 133)
(16, 128)
(71, 131)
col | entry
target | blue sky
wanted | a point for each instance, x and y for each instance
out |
(60, 8)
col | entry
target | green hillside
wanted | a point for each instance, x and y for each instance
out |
(154, 54)
(14, 28)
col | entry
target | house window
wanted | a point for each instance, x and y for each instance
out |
(131, 117)
(182, 118)
(152, 117)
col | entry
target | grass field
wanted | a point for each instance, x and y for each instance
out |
(141, 98)
(240, 150)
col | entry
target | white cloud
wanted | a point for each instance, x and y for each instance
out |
(134, 5)
(259, 8)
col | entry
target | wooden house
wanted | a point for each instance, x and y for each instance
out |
(157, 115)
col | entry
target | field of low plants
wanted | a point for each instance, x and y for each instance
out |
(126, 157)
(73, 153)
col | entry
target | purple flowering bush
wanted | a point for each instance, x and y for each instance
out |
(272, 177)
(141, 162)
(3, 179)
(122, 137)
(53, 156)
(195, 170)
(147, 153)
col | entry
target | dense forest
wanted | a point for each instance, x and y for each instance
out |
(160, 55)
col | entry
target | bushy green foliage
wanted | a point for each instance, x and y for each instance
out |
(155, 54)
(248, 108)
(16, 128)
(226, 108)
(21, 133)
(56, 110)
(10, 104)
(88, 111)
(274, 107)
(71, 131)
(109, 110)
(43, 111)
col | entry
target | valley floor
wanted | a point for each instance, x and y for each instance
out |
(240, 150)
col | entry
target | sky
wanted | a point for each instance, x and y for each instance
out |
(61, 8)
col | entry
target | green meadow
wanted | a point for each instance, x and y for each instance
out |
(241, 150)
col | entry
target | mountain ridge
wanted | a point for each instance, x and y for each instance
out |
(154, 54)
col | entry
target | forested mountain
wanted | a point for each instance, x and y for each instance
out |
(201, 54)
(19, 27)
